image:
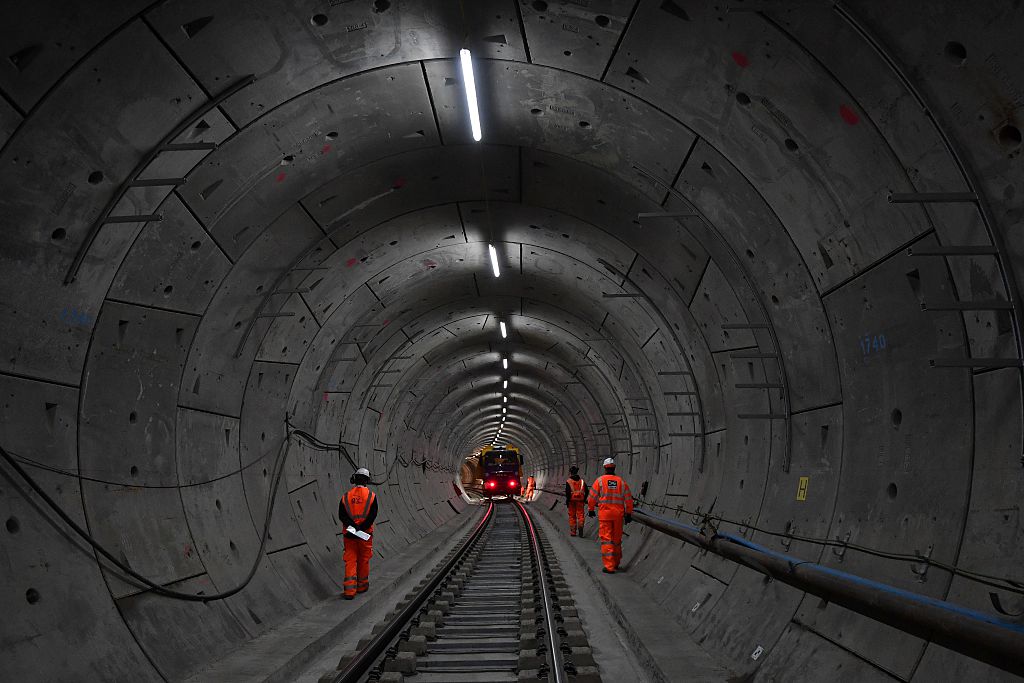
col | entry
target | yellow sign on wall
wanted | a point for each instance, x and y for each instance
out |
(801, 489)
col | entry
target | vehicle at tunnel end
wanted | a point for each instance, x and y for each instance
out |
(502, 471)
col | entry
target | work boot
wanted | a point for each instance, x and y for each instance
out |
(607, 571)
(349, 597)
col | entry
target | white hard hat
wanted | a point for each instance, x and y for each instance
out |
(609, 462)
(363, 471)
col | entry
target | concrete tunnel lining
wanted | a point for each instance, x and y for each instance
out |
(785, 129)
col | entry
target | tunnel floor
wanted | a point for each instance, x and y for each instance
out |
(626, 635)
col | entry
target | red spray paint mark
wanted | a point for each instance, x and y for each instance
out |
(849, 115)
(325, 395)
(281, 176)
(325, 149)
(740, 59)
(385, 324)
(351, 262)
(398, 184)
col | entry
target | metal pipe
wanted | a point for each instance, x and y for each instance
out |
(966, 631)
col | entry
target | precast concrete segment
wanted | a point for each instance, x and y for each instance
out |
(787, 127)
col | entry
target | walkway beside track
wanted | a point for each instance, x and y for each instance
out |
(664, 650)
(285, 651)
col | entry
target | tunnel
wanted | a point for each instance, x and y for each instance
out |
(762, 254)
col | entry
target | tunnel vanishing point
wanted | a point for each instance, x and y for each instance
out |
(765, 254)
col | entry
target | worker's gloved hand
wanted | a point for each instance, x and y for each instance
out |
(591, 514)
(628, 519)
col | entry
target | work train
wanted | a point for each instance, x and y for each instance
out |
(502, 471)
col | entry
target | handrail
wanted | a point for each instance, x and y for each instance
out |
(362, 662)
(146, 160)
(969, 632)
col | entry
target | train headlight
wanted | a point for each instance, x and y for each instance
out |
(491, 484)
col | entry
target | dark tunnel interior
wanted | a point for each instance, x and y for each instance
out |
(764, 254)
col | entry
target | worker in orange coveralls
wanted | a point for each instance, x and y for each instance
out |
(615, 503)
(575, 499)
(528, 494)
(357, 512)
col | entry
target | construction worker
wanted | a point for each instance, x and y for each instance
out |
(528, 494)
(615, 503)
(575, 499)
(357, 512)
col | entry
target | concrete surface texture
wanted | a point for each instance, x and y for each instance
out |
(787, 347)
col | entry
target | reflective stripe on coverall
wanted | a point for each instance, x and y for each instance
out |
(614, 500)
(357, 503)
(575, 505)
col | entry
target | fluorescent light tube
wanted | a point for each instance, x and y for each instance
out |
(470, 83)
(504, 331)
(494, 260)
(504, 385)
(504, 363)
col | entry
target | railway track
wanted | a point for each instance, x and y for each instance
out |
(495, 609)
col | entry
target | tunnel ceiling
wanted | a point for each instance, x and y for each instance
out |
(217, 215)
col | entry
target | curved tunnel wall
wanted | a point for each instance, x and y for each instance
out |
(327, 261)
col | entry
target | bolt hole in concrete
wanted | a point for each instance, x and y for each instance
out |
(168, 289)
(217, 503)
(567, 53)
(584, 124)
(287, 160)
(743, 98)
(96, 177)
(897, 417)
(1009, 136)
(13, 525)
(791, 145)
(32, 595)
(536, 112)
(332, 135)
(319, 19)
(956, 52)
(195, 245)
(133, 417)
(540, 5)
(134, 471)
(58, 234)
(601, 20)
(892, 490)
(750, 254)
(234, 548)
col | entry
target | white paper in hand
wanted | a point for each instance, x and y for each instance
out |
(356, 532)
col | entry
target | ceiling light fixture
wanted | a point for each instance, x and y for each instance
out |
(504, 363)
(494, 260)
(504, 385)
(504, 410)
(470, 83)
(504, 330)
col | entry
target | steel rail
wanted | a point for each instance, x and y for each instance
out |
(969, 632)
(364, 660)
(557, 670)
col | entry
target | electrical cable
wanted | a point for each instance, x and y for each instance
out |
(83, 477)
(128, 571)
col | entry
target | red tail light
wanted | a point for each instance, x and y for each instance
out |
(512, 483)
(491, 484)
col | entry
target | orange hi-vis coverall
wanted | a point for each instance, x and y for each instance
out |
(614, 500)
(528, 494)
(358, 509)
(577, 493)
